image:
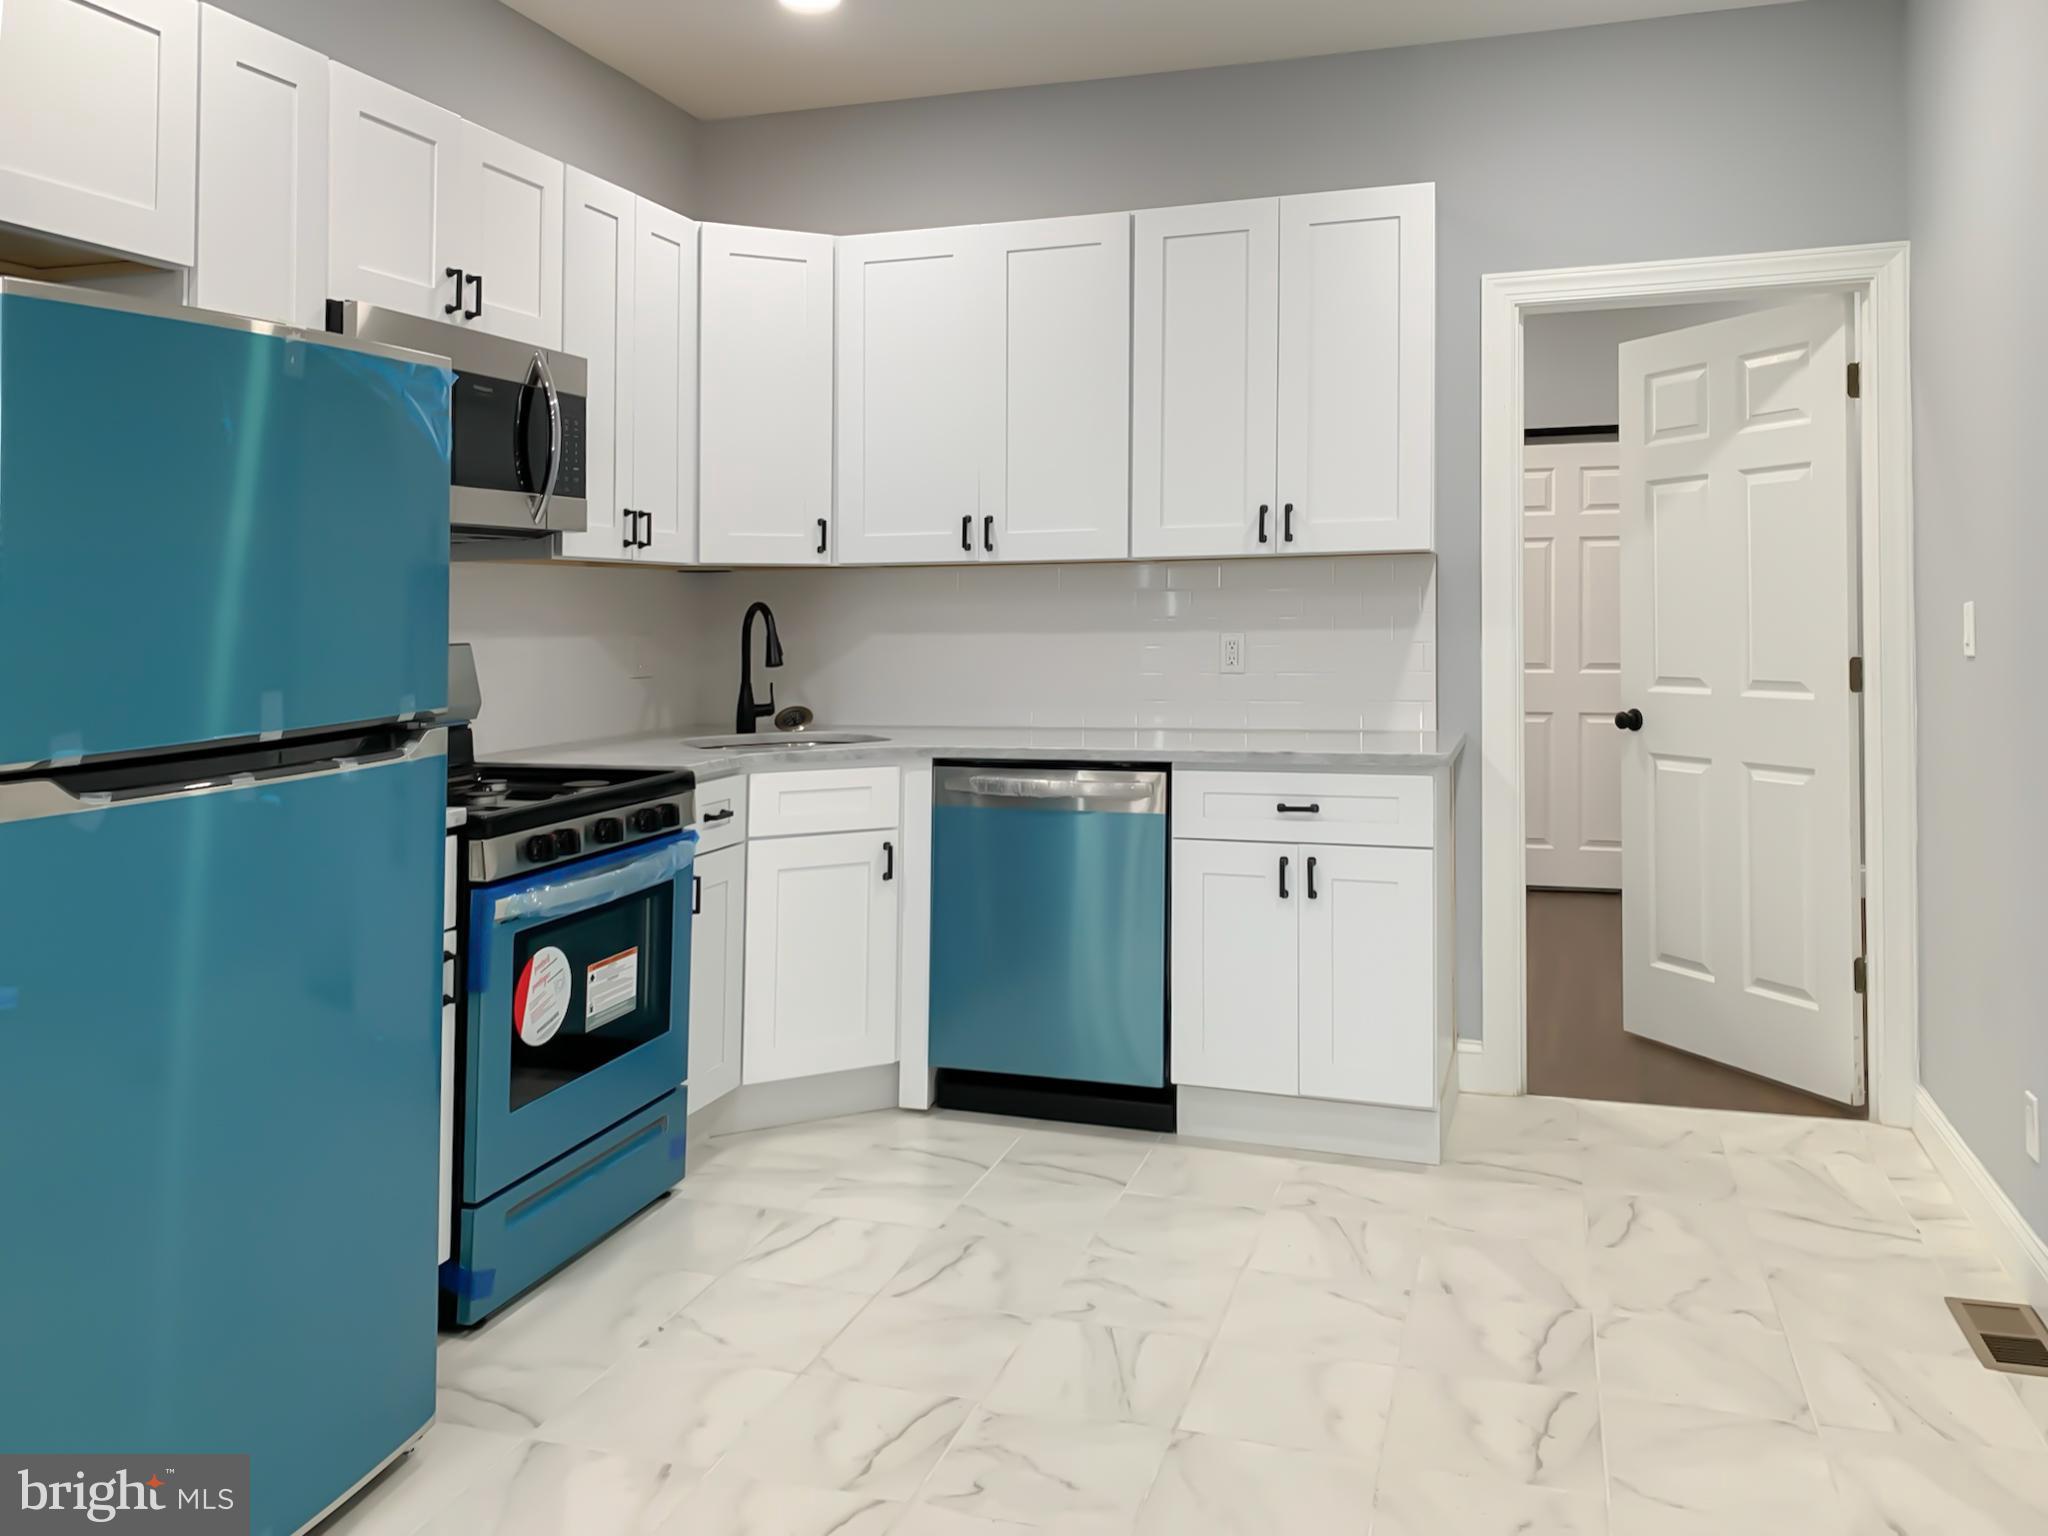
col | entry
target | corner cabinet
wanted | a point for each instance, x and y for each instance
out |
(99, 103)
(765, 397)
(263, 116)
(1283, 393)
(1312, 956)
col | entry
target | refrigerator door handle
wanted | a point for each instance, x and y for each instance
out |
(540, 375)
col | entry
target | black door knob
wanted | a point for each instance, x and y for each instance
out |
(1629, 720)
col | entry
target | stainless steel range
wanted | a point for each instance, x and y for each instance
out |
(572, 1004)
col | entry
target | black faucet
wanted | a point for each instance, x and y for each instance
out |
(748, 711)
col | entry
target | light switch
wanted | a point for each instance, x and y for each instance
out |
(1969, 631)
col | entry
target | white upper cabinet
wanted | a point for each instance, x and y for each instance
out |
(99, 122)
(1357, 375)
(597, 325)
(765, 412)
(914, 387)
(396, 199)
(664, 390)
(1284, 394)
(512, 248)
(1056, 471)
(1205, 344)
(262, 239)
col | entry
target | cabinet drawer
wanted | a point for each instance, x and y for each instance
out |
(1370, 809)
(827, 800)
(721, 814)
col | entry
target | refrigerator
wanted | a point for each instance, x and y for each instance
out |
(223, 630)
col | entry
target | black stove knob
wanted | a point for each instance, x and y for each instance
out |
(607, 829)
(568, 841)
(646, 819)
(538, 848)
(670, 816)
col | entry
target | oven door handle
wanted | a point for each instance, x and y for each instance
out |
(552, 893)
(540, 374)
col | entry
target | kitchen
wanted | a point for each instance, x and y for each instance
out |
(946, 739)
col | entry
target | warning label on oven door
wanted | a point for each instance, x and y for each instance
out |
(610, 988)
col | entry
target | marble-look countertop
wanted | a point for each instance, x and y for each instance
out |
(1357, 751)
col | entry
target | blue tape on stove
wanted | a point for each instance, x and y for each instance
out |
(470, 1284)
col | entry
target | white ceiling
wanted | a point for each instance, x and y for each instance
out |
(732, 58)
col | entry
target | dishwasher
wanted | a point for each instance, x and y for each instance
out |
(1049, 933)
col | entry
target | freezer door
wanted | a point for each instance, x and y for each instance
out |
(210, 530)
(219, 1015)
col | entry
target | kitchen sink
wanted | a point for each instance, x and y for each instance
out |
(780, 742)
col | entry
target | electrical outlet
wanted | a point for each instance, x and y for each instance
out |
(1233, 654)
(2033, 1128)
(1969, 631)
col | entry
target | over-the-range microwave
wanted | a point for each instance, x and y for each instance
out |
(516, 465)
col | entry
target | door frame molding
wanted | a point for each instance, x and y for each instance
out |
(1876, 276)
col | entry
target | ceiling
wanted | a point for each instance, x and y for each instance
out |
(733, 58)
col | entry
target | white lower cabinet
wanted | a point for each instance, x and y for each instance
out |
(1306, 970)
(718, 956)
(820, 954)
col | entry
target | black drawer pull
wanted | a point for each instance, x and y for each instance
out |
(1298, 810)
(888, 861)
(1311, 878)
(724, 815)
(1283, 877)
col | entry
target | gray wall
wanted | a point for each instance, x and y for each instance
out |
(1979, 163)
(1571, 364)
(491, 65)
(1747, 130)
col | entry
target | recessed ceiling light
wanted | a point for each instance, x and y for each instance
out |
(810, 7)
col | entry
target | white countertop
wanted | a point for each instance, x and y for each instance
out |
(1368, 751)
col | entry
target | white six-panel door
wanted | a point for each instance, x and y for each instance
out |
(913, 388)
(1236, 967)
(514, 239)
(1357, 370)
(821, 955)
(397, 200)
(1205, 293)
(99, 122)
(765, 402)
(597, 325)
(664, 374)
(718, 957)
(1739, 840)
(262, 234)
(1056, 461)
(1571, 663)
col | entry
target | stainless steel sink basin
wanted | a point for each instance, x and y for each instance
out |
(780, 742)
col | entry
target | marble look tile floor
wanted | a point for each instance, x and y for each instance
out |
(1592, 1320)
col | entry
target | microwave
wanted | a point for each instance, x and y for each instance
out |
(516, 462)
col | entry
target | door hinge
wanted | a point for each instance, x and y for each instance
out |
(1855, 674)
(1855, 381)
(1862, 975)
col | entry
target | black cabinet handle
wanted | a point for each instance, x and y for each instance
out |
(821, 535)
(967, 532)
(447, 999)
(1629, 720)
(1265, 511)
(647, 530)
(456, 307)
(629, 535)
(888, 861)
(696, 895)
(1283, 877)
(1313, 808)
(476, 280)
(725, 815)
(1287, 523)
(1311, 878)
(988, 534)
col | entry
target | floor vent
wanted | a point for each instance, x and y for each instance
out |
(2005, 1337)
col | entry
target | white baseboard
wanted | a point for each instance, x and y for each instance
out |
(2018, 1246)
(1484, 1071)
(1310, 1125)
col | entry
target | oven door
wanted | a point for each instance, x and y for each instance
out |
(578, 985)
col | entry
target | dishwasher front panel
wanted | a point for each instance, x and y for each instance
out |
(1049, 923)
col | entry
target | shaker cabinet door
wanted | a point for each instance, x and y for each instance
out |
(597, 326)
(1236, 976)
(398, 213)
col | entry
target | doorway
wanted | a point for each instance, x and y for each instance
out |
(1747, 860)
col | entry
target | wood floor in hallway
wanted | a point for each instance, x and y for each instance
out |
(1577, 1048)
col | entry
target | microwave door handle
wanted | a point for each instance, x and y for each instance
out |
(540, 374)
